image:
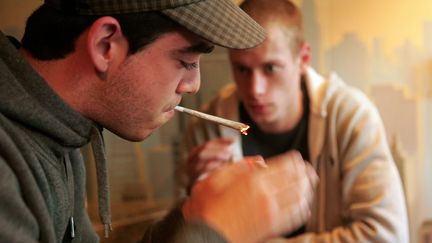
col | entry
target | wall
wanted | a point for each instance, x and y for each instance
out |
(13, 15)
(385, 48)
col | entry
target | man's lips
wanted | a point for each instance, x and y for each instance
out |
(169, 109)
(172, 107)
(258, 107)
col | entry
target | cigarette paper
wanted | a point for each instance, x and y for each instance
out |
(219, 120)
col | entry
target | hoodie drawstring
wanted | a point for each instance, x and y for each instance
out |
(97, 144)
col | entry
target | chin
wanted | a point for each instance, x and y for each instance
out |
(139, 131)
(168, 115)
(262, 119)
(140, 137)
(264, 122)
(135, 136)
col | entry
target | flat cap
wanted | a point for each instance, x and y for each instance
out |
(219, 21)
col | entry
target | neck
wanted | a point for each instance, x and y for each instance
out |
(62, 76)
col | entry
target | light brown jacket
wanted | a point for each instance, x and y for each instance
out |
(360, 196)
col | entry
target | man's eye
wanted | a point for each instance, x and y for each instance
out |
(270, 68)
(189, 66)
(242, 69)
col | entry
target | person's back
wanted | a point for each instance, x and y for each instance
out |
(290, 107)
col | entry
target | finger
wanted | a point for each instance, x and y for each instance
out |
(288, 190)
(284, 172)
(293, 204)
(256, 161)
(312, 175)
(202, 167)
(289, 185)
(213, 144)
(214, 164)
(210, 167)
(216, 150)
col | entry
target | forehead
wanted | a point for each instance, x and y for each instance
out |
(275, 46)
(181, 42)
(176, 39)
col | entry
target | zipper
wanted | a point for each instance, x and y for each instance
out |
(70, 193)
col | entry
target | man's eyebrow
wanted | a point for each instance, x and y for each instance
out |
(238, 64)
(201, 47)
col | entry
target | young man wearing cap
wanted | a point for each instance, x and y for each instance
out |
(86, 65)
(290, 107)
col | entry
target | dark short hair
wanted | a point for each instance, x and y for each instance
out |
(50, 34)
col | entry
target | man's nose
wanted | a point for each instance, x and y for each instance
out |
(258, 84)
(190, 83)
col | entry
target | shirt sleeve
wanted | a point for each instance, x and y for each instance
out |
(17, 223)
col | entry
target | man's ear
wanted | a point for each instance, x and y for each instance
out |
(305, 57)
(103, 37)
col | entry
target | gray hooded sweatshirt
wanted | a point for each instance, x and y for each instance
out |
(42, 173)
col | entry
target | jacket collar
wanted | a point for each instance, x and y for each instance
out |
(320, 91)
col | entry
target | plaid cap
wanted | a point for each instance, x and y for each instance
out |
(219, 21)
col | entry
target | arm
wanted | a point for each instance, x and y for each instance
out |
(198, 131)
(372, 203)
(174, 229)
(201, 150)
(241, 203)
(17, 223)
(208, 156)
(246, 204)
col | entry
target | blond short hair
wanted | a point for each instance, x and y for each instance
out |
(281, 12)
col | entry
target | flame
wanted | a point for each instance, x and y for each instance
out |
(244, 129)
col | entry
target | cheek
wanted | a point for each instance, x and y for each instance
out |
(147, 91)
(130, 95)
(288, 95)
(282, 90)
(144, 83)
(242, 85)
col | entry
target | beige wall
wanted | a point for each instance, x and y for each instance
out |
(385, 48)
(14, 13)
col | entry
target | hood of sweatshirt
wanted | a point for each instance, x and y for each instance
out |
(33, 103)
